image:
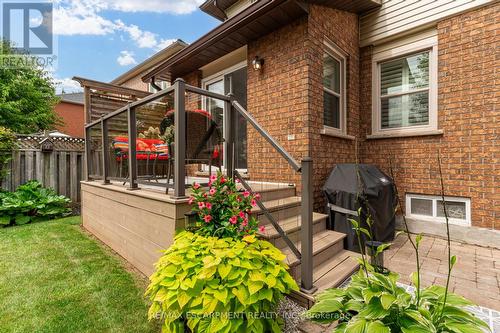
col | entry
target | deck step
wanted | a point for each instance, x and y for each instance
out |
(292, 227)
(323, 244)
(330, 274)
(280, 209)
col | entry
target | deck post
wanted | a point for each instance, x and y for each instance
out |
(88, 149)
(180, 138)
(132, 152)
(229, 139)
(306, 265)
(105, 151)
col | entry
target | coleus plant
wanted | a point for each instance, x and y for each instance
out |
(223, 210)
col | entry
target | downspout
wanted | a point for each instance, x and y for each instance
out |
(157, 87)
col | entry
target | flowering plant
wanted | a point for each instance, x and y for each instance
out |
(223, 210)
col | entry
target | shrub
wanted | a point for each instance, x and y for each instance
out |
(31, 203)
(210, 284)
(223, 211)
(7, 144)
(378, 304)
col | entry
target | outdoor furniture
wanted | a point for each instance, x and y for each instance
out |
(203, 139)
(148, 152)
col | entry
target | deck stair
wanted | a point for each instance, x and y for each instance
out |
(332, 264)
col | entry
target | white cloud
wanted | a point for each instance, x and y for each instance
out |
(83, 17)
(126, 58)
(159, 6)
(67, 85)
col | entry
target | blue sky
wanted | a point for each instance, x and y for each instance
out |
(101, 39)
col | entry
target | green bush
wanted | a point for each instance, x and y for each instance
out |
(378, 304)
(7, 144)
(223, 211)
(209, 284)
(31, 203)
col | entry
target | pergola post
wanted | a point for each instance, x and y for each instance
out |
(180, 138)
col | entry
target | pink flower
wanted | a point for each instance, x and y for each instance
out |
(222, 180)
(201, 205)
(238, 181)
(196, 185)
(242, 215)
(207, 218)
(213, 178)
(254, 203)
(208, 205)
(246, 194)
(233, 220)
(191, 199)
(244, 223)
(257, 196)
(212, 191)
(262, 228)
(205, 195)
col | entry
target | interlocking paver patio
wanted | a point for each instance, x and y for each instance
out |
(475, 276)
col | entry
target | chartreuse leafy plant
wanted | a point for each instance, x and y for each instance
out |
(210, 284)
(31, 203)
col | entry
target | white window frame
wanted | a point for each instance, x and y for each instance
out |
(425, 45)
(335, 52)
(434, 217)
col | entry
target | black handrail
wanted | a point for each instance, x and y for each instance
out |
(270, 217)
(295, 165)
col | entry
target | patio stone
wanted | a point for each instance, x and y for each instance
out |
(475, 276)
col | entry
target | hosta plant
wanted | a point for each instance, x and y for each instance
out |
(222, 210)
(378, 304)
(31, 203)
(211, 284)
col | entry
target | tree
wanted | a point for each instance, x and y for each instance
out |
(7, 145)
(27, 96)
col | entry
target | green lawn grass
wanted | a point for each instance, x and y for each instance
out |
(55, 278)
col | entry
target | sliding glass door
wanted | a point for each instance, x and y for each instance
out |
(234, 82)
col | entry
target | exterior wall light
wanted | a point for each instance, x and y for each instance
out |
(257, 63)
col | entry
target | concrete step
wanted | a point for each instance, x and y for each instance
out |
(329, 274)
(326, 244)
(280, 209)
(292, 227)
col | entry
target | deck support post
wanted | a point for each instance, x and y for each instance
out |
(88, 149)
(229, 139)
(180, 139)
(306, 265)
(132, 152)
(105, 151)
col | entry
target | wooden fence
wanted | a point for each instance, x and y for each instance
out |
(56, 162)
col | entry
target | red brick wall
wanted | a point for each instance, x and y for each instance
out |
(277, 98)
(73, 118)
(467, 112)
(340, 28)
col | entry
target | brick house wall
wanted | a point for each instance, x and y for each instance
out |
(278, 99)
(72, 117)
(468, 92)
(341, 28)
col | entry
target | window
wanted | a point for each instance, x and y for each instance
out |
(405, 89)
(426, 207)
(334, 107)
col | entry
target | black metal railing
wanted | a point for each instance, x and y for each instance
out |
(180, 89)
